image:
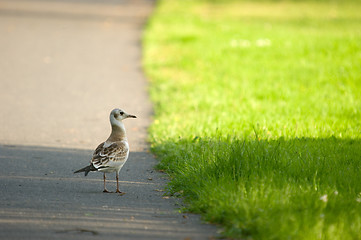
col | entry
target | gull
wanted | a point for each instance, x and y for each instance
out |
(111, 155)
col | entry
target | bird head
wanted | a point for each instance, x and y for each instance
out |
(120, 115)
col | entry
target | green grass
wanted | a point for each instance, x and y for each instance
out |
(258, 113)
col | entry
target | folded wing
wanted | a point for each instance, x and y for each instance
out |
(111, 155)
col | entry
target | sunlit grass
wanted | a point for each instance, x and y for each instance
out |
(257, 113)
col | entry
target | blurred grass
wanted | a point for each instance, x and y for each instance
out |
(257, 113)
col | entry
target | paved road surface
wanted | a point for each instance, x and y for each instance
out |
(64, 65)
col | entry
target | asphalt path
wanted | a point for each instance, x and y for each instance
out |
(64, 65)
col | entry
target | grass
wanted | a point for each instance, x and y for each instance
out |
(258, 112)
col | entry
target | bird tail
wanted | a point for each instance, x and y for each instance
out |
(86, 169)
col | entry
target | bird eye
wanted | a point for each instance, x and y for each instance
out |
(121, 113)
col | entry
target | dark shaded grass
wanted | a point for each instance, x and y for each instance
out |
(250, 186)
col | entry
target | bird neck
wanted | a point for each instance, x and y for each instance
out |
(118, 131)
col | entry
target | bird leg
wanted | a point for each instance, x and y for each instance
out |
(117, 177)
(105, 189)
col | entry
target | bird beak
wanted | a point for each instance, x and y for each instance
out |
(132, 116)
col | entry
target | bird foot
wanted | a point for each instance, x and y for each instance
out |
(106, 191)
(120, 193)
